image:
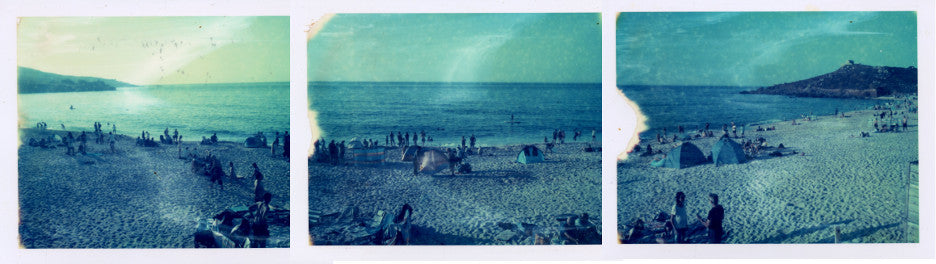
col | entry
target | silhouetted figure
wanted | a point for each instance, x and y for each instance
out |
(714, 220)
(286, 145)
(261, 231)
(258, 183)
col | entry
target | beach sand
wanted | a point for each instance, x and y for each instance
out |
(856, 184)
(140, 197)
(479, 208)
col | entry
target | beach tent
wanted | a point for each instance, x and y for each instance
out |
(433, 161)
(370, 156)
(409, 153)
(355, 144)
(254, 142)
(726, 151)
(530, 154)
(683, 156)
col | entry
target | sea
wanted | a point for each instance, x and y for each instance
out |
(693, 106)
(234, 111)
(449, 111)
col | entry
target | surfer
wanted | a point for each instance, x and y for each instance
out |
(71, 107)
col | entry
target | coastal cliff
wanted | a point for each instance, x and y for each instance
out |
(850, 81)
(36, 81)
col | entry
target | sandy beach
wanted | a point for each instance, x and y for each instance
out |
(857, 184)
(139, 197)
(499, 202)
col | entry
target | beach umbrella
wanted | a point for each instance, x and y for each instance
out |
(530, 154)
(433, 161)
(684, 156)
(726, 151)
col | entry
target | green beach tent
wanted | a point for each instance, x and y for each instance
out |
(433, 161)
(684, 156)
(726, 151)
(530, 154)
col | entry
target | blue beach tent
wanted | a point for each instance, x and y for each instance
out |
(726, 151)
(530, 154)
(684, 156)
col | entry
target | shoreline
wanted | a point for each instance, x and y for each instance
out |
(836, 179)
(138, 197)
(501, 202)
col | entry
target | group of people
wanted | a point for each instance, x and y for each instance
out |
(676, 222)
(679, 219)
(887, 122)
(404, 140)
(578, 230)
(251, 231)
(331, 153)
(145, 140)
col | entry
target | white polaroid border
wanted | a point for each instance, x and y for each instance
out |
(618, 125)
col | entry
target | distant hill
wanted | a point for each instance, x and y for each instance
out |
(850, 81)
(36, 81)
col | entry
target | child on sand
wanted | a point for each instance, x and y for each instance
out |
(679, 218)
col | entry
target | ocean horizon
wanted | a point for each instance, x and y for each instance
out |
(449, 110)
(232, 110)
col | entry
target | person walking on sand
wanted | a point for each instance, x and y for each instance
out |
(679, 218)
(714, 220)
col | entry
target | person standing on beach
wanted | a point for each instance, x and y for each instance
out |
(406, 139)
(259, 191)
(473, 139)
(260, 228)
(679, 218)
(714, 220)
(463, 141)
(275, 145)
(416, 158)
(415, 139)
(286, 145)
(233, 172)
(341, 152)
(593, 135)
(333, 152)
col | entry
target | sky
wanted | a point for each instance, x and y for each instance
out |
(158, 50)
(757, 48)
(564, 48)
